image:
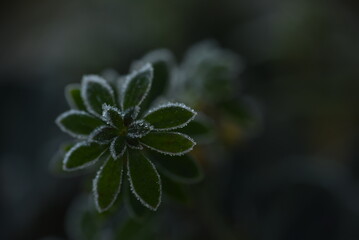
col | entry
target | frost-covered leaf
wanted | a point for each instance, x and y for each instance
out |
(137, 87)
(113, 116)
(139, 129)
(170, 116)
(162, 62)
(170, 143)
(130, 115)
(133, 143)
(78, 124)
(144, 180)
(73, 97)
(134, 207)
(103, 134)
(173, 189)
(200, 129)
(107, 184)
(182, 169)
(118, 147)
(82, 155)
(95, 92)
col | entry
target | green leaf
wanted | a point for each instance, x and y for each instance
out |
(130, 115)
(118, 147)
(162, 62)
(73, 97)
(95, 92)
(182, 169)
(113, 116)
(82, 155)
(78, 124)
(201, 129)
(134, 207)
(133, 143)
(137, 87)
(144, 180)
(103, 134)
(173, 189)
(170, 116)
(170, 143)
(139, 129)
(107, 184)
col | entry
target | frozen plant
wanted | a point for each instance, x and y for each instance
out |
(107, 123)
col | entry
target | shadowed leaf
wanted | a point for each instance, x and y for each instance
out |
(107, 184)
(144, 180)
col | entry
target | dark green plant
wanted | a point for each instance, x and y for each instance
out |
(107, 122)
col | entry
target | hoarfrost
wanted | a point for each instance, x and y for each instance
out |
(133, 190)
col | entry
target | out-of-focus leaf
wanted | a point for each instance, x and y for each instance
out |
(173, 189)
(73, 97)
(200, 129)
(182, 169)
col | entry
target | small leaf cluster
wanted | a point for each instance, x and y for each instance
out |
(108, 122)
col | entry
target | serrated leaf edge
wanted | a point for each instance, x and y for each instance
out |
(168, 105)
(84, 85)
(157, 55)
(180, 179)
(95, 193)
(68, 97)
(133, 190)
(169, 153)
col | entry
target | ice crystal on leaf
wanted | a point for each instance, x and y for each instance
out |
(108, 124)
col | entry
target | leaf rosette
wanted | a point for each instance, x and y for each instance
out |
(108, 123)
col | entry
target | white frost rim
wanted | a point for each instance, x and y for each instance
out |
(113, 151)
(84, 86)
(169, 105)
(133, 190)
(171, 153)
(130, 77)
(95, 192)
(87, 164)
(66, 114)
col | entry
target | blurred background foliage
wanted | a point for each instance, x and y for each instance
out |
(295, 178)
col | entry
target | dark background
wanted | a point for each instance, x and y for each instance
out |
(296, 179)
